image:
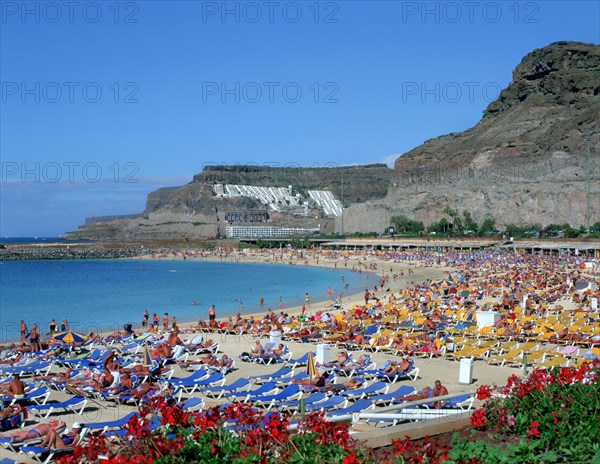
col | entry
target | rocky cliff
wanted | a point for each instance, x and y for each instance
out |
(526, 161)
(194, 212)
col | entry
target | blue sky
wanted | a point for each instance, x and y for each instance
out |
(103, 102)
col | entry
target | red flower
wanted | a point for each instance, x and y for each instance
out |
(350, 459)
(484, 392)
(478, 419)
(533, 429)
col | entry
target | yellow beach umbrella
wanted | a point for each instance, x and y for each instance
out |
(147, 357)
(311, 368)
(70, 338)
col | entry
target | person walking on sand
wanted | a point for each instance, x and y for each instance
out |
(212, 314)
(34, 339)
(307, 299)
(23, 331)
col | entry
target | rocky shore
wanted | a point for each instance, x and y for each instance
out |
(23, 252)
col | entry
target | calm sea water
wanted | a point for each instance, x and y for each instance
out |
(104, 294)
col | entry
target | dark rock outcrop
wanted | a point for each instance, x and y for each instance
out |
(526, 162)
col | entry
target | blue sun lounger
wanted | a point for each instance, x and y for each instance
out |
(287, 394)
(218, 392)
(387, 398)
(373, 389)
(284, 372)
(308, 401)
(72, 404)
(332, 403)
(116, 424)
(359, 406)
(264, 389)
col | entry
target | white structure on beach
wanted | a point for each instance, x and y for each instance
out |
(278, 198)
(265, 232)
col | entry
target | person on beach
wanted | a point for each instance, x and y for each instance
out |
(212, 314)
(163, 350)
(12, 361)
(342, 357)
(274, 352)
(15, 388)
(53, 441)
(439, 390)
(420, 395)
(125, 384)
(23, 331)
(10, 411)
(165, 321)
(318, 381)
(307, 299)
(39, 431)
(155, 321)
(34, 339)
(64, 325)
(398, 368)
(52, 327)
(145, 318)
(257, 349)
(351, 384)
(358, 364)
(174, 339)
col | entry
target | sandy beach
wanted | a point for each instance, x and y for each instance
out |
(430, 369)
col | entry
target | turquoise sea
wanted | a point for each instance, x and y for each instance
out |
(97, 295)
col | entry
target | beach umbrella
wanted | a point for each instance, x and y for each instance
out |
(444, 283)
(70, 338)
(311, 368)
(147, 357)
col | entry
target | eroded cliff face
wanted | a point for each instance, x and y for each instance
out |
(525, 162)
(194, 212)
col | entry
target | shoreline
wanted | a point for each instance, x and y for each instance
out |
(323, 304)
(348, 301)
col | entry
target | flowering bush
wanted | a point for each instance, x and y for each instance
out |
(558, 411)
(554, 417)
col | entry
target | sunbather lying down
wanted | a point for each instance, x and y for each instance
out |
(317, 381)
(55, 441)
(342, 357)
(397, 367)
(420, 395)
(350, 384)
(39, 431)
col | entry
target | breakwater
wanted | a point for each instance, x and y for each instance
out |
(11, 253)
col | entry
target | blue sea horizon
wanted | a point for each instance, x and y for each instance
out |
(103, 295)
